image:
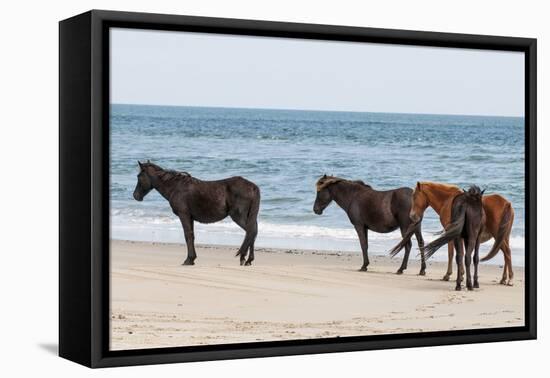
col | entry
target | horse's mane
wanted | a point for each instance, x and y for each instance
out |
(326, 181)
(449, 187)
(166, 174)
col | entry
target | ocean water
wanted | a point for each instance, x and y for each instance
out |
(285, 151)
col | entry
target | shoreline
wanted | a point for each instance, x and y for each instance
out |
(379, 244)
(290, 294)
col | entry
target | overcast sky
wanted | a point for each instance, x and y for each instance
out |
(194, 69)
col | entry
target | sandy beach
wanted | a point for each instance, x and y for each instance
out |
(289, 294)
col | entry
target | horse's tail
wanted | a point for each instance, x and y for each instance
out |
(504, 230)
(452, 232)
(406, 238)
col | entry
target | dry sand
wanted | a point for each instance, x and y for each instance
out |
(289, 294)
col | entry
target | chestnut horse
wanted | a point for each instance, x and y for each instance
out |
(498, 222)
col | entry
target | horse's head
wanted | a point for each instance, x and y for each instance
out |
(419, 203)
(324, 198)
(474, 192)
(144, 184)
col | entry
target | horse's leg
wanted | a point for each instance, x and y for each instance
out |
(364, 241)
(254, 233)
(405, 261)
(250, 255)
(450, 252)
(508, 264)
(251, 230)
(470, 245)
(239, 219)
(420, 240)
(459, 263)
(504, 278)
(189, 233)
(476, 263)
(505, 248)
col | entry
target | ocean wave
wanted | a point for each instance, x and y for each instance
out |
(283, 200)
(139, 219)
(274, 235)
(267, 229)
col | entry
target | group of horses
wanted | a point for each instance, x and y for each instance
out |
(468, 217)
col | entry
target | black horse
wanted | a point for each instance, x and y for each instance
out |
(467, 220)
(192, 200)
(369, 209)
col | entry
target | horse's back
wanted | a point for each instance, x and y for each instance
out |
(234, 183)
(211, 201)
(495, 201)
(385, 210)
(238, 185)
(403, 193)
(393, 199)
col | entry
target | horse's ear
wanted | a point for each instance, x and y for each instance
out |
(325, 175)
(140, 165)
(148, 161)
(418, 185)
(483, 191)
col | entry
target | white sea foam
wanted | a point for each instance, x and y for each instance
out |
(168, 229)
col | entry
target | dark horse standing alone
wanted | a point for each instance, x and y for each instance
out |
(369, 209)
(192, 200)
(467, 220)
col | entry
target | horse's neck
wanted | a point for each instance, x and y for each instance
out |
(341, 193)
(438, 196)
(165, 188)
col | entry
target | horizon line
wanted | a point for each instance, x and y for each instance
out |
(318, 110)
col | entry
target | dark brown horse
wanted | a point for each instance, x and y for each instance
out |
(192, 200)
(369, 209)
(467, 220)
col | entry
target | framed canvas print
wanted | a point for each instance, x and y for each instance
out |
(234, 188)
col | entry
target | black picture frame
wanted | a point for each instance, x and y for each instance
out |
(84, 195)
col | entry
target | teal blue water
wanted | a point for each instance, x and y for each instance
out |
(285, 151)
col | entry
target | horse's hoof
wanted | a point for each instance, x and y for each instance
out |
(363, 269)
(445, 277)
(399, 271)
(476, 285)
(188, 262)
(248, 263)
(458, 288)
(503, 281)
(243, 262)
(422, 273)
(510, 283)
(470, 288)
